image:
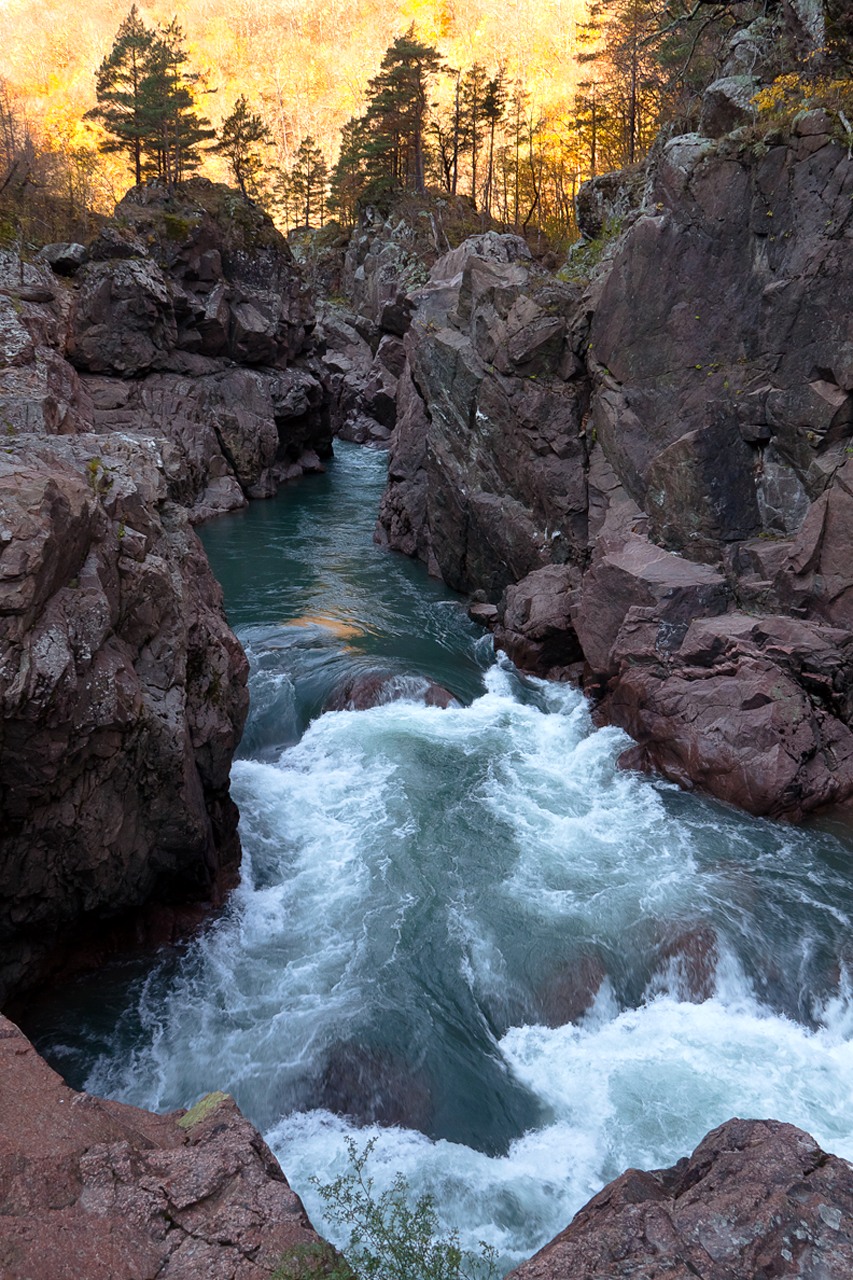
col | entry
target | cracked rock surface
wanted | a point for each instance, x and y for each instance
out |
(757, 1199)
(96, 1189)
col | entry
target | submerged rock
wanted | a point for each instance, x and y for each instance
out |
(756, 1198)
(376, 688)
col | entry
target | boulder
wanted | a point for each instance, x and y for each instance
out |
(102, 1190)
(727, 104)
(605, 201)
(63, 259)
(635, 579)
(124, 318)
(752, 711)
(363, 384)
(534, 625)
(377, 688)
(756, 1198)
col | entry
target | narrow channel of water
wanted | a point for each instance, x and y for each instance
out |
(464, 931)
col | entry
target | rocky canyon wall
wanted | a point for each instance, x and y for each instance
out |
(159, 376)
(648, 472)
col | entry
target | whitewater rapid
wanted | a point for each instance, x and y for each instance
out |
(468, 934)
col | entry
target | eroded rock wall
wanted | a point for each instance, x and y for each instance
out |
(163, 375)
(122, 693)
(676, 436)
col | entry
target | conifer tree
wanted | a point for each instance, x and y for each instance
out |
(309, 177)
(120, 89)
(146, 105)
(175, 131)
(623, 34)
(451, 136)
(347, 180)
(396, 117)
(494, 105)
(473, 92)
(241, 136)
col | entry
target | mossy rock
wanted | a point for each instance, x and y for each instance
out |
(173, 214)
(202, 1109)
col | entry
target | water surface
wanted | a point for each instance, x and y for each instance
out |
(464, 931)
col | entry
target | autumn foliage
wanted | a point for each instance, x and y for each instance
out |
(313, 109)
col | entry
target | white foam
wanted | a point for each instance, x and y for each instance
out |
(457, 861)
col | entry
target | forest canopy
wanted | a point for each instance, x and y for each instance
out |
(311, 110)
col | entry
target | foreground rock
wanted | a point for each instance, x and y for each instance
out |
(756, 1199)
(98, 1189)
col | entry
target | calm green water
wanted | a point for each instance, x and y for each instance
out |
(465, 931)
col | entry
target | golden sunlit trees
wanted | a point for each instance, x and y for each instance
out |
(625, 111)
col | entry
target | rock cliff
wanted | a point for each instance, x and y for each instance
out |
(159, 376)
(671, 438)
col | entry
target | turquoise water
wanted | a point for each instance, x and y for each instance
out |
(464, 931)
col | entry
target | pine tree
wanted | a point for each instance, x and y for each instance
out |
(347, 181)
(451, 137)
(631, 79)
(473, 92)
(242, 135)
(396, 117)
(119, 87)
(309, 176)
(146, 105)
(175, 131)
(494, 105)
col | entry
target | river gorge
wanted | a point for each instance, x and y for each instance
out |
(464, 930)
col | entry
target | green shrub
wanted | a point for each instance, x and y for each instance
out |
(392, 1237)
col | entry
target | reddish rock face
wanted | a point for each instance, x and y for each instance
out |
(756, 1199)
(753, 711)
(122, 693)
(486, 473)
(96, 1189)
(668, 451)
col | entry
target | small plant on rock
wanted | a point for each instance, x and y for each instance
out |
(392, 1237)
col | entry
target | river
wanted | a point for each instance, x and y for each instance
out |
(464, 931)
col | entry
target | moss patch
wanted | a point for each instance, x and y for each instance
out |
(202, 1109)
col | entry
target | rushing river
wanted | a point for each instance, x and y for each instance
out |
(464, 930)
